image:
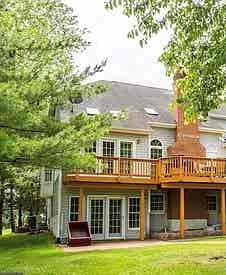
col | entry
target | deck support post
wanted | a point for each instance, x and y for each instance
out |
(80, 206)
(223, 226)
(142, 215)
(182, 213)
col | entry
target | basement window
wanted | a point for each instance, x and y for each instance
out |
(157, 203)
(212, 203)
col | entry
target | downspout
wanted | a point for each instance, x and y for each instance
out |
(59, 205)
(149, 215)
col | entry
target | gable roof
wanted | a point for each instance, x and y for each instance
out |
(134, 98)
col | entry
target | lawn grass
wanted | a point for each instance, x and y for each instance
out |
(37, 254)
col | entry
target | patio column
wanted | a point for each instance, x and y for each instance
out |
(181, 212)
(223, 226)
(142, 214)
(80, 206)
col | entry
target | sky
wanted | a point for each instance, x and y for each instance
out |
(127, 61)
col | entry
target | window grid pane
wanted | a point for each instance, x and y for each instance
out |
(125, 152)
(157, 202)
(156, 149)
(134, 212)
(74, 209)
(212, 203)
(126, 149)
(114, 216)
(108, 148)
(97, 216)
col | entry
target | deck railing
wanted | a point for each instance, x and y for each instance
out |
(192, 167)
(123, 167)
(162, 169)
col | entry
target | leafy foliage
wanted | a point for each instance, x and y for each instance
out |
(40, 40)
(196, 49)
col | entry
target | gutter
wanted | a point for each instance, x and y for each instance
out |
(59, 205)
(134, 131)
(201, 129)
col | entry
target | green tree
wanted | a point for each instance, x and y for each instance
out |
(6, 173)
(197, 48)
(27, 190)
(40, 41)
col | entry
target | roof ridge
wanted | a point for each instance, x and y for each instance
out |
(136, 84)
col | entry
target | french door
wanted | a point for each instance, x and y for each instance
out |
(106, 217)
(96, 217)
(115, 218)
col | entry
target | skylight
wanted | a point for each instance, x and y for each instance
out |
(92, 111)
(115, 113)
(151, 111)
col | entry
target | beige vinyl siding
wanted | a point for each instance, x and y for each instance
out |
(213, 144)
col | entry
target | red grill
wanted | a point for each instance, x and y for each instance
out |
(78, 234)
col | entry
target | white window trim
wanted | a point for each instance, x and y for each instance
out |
(132, 228)
(70, 197)
(115, 145)
(133, 146)
(161, 212)
(52, 176)
(213, 211)
(156, 147)
(122, 198)
(96, 197)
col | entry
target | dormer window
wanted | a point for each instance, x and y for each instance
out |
(92, 111)
(156, 149)
(151, 111)
(115, 113)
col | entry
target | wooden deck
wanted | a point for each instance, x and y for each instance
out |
(171, 170)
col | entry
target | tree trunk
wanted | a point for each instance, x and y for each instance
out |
(2, 197)
(20, 223)
(12, 221)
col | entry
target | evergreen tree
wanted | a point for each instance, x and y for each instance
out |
(40, 41)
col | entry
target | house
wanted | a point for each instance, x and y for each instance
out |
(154, 172)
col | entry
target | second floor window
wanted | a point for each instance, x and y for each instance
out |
(156, 149)
(126, 149)
(157, 203)
(92, 148)
(108, 148)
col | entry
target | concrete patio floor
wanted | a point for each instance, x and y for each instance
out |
(103, 245)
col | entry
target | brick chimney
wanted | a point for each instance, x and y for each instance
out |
(187, 135)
